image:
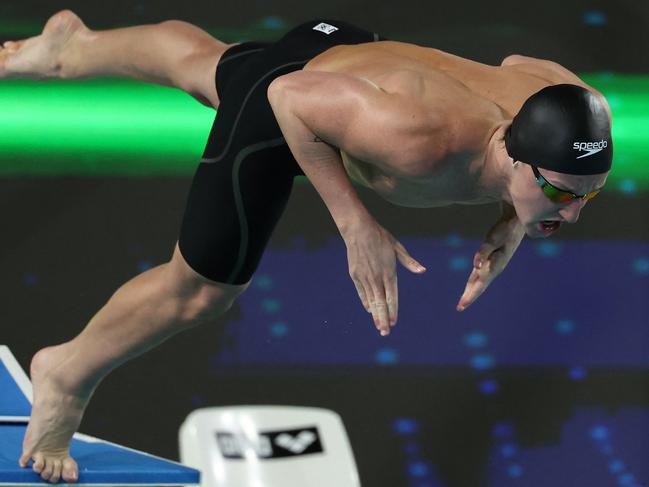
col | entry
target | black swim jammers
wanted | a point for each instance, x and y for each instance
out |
(245, 177)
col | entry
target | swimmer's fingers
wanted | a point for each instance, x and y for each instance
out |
(360, 289)
(407, 260)
(481, 277)
(390, 280)
(496, 257)
(498, 238)
(379, 306)
(392, 296)
(474, 288)
(372, 254)
(383, 303)
(482, 255)
(492, 257)
(374, 301)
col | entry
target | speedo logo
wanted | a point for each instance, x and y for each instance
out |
(590, 147)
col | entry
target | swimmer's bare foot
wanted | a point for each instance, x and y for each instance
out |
(39, 57)
(56, 415)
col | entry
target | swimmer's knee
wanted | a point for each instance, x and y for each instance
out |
(202, 299)
(193, 66)
(211, 301)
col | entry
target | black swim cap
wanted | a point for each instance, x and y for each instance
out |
(563, 128)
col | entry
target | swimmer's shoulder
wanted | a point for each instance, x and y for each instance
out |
(456, 120)
(401, 80)
(550, 71)
(543, 68)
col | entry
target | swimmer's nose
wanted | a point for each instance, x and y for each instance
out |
(570, 212)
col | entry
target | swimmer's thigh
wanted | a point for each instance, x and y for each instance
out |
(233, 207)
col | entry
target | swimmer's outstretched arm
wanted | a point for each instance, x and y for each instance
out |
(494, 254)
(320, 113)
(172, 53)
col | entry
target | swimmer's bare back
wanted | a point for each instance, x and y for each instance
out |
(507, 85)
(475, 97)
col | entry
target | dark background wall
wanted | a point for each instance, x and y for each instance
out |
(585, 35)
(68, 243)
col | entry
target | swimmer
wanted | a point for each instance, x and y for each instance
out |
(420, 127)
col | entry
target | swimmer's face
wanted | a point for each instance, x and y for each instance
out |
(537, 212)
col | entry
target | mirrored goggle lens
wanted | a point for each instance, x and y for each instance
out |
(557, 195)
(591, 195)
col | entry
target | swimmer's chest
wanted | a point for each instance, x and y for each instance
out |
(449, 184)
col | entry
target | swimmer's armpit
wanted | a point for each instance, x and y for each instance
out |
(318, 140)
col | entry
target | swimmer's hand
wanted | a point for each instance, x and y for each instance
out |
(372, 253)
(489, 261)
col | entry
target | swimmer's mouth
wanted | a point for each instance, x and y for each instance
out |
(549, 226)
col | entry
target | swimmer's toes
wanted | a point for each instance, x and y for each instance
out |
(17, 46)
(3, 62)
(56, 467)
(70, 470)
(47, 470)
(39, 57)
(39, 462)
(13, 46)
(24, 460)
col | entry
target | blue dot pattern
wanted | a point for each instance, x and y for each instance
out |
(536, 313)
(595, 18)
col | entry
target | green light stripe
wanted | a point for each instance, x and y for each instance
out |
(106, 127)
(99, 127)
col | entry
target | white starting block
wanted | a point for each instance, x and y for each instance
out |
(268, 446)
